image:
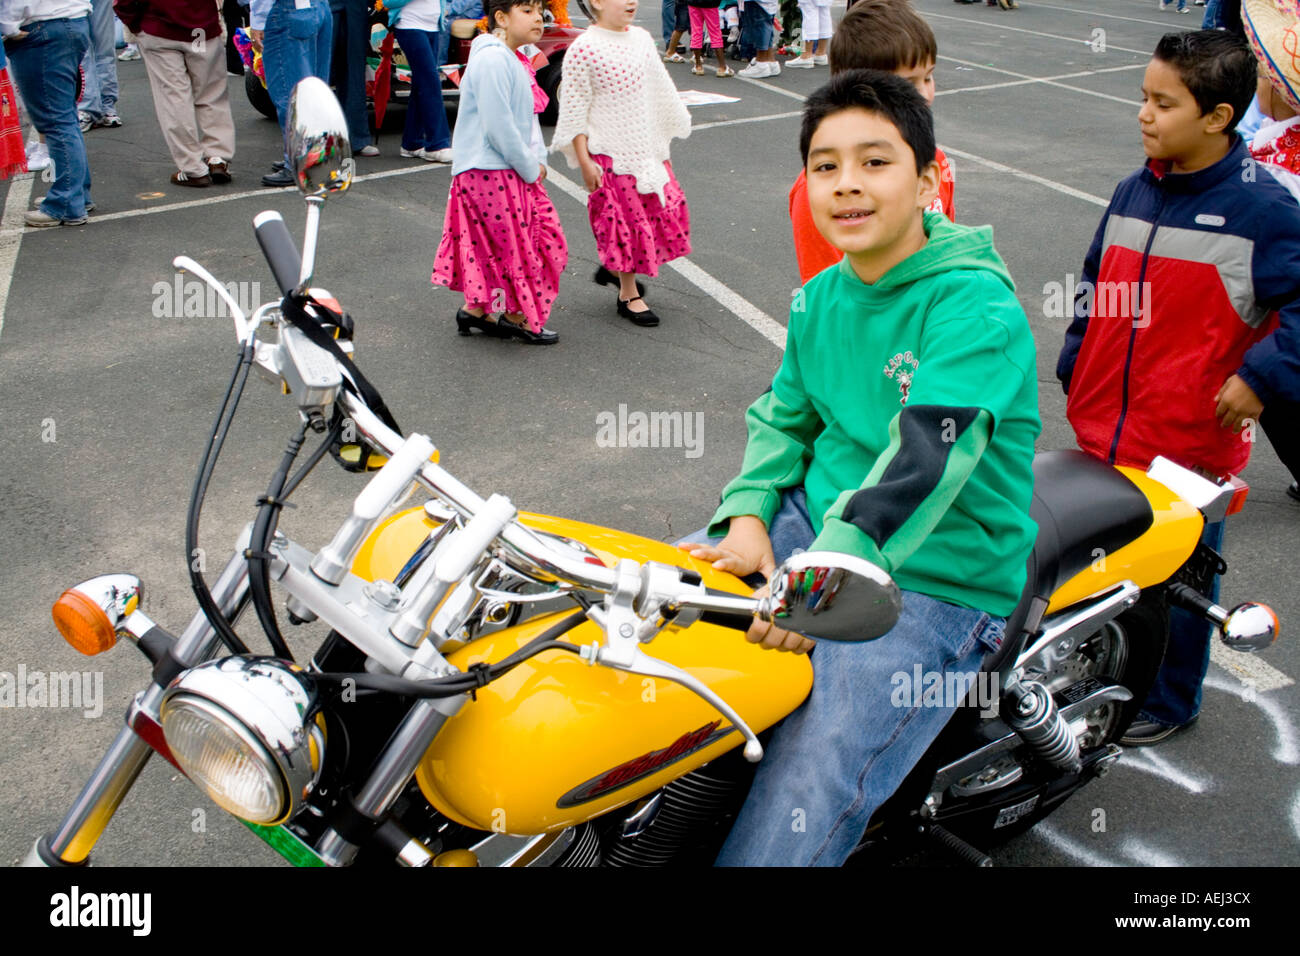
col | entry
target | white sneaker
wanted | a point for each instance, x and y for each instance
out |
(438, 155)
(755, 71)
(38, 156)
(801, 63)
(423, 154)
(774, 68)
(130, 52)
(822, 59)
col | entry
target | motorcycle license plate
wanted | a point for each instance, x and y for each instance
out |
(1009, 815)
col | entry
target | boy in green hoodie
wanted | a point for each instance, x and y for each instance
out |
(899, 428)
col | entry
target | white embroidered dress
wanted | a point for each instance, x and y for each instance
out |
(615, 89)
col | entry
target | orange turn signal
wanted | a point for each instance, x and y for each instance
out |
(83, 623)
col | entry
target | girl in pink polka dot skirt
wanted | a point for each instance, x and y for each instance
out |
(502, 246)
(618, 112)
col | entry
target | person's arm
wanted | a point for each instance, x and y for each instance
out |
(782, 426)
(258, 11)
(1270, 369)
(575, 105)
(967, 380)
(1083, 304)
(492, 87)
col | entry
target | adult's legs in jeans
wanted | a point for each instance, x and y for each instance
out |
(1175, 697)
(292, 49)
(99, 63)
(667, 19)
(426, 118)
(44, 66)
(348, 68)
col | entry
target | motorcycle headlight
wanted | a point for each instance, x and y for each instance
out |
(247, 731)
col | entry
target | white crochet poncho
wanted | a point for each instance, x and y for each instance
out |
(615, 89)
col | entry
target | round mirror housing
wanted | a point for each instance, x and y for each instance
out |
(318, 144)
(827, 595)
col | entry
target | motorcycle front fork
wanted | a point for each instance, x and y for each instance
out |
(70, 844)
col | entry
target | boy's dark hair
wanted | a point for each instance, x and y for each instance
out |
(492, 6)
(1215, 66)
(878, 92)
(882, 35)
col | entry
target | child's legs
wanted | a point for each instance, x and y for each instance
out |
(837, 758)
(824, 26)
(697, 22)
(1175, 697)
(808, 11)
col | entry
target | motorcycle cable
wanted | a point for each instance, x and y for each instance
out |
(207, 465)
(257, 555)
(478, 675)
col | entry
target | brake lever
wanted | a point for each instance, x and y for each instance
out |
(639, 662)
(625, 630)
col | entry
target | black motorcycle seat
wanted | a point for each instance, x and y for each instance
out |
(1084, 509)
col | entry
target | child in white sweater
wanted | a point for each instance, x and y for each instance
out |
(618, 112)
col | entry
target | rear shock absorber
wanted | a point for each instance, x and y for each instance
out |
(1033, 715)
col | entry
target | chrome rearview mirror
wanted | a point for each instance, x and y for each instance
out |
(827, 595)
(318, 144)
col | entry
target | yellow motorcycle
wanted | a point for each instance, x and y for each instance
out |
(509, 689)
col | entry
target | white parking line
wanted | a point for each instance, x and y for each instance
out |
(1093, 12)
(1038, 79)
(1087, 41)
(1250, 670)
(1047, 80)
(728, 298)
(1027, 176)
(695, 128)
(11, 236)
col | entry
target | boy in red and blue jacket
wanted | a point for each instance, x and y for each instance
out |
(1188, 322)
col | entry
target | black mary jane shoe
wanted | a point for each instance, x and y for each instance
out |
(510, 330)
(646, 319)
(468, 320)
(604, 277)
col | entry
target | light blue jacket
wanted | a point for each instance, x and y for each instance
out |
(495, 124)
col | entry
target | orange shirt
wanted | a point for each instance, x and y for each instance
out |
(814, 252)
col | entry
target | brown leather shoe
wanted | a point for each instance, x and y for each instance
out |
(219, 170)
(184, 179)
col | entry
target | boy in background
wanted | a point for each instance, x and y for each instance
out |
(1206, 245)
(899, 428)
(883, 35)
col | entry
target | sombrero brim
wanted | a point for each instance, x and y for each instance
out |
(1273, 28)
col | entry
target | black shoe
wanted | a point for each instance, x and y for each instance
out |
(1293, 491)
(1144, 733)
(647, 318)
(281, 177)
(604, 277)
(510, 330)
(468, 320)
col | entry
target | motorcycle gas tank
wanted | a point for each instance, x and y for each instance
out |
(556, 741)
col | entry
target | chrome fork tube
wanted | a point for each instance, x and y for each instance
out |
(395, 767)
(121, 765)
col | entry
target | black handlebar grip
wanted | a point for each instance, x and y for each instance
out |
(279, 249)
(733, 619)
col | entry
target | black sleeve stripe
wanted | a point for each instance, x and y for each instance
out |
(927, 435)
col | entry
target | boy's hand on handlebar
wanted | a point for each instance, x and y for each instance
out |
(744, 550)
(775, 638)
(1237, 403)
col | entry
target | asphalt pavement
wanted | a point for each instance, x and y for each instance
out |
(109, 390)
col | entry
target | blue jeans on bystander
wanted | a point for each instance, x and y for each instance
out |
(837, 758)
(426, 117)
(295, 45)
(351, 38)
(44, 65)
(99, 63)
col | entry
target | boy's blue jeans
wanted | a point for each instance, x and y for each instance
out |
(833, 761)
(1175, 697)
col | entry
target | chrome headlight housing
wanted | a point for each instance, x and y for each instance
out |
(249, 733)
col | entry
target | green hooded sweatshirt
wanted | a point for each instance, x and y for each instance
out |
(908, 410)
